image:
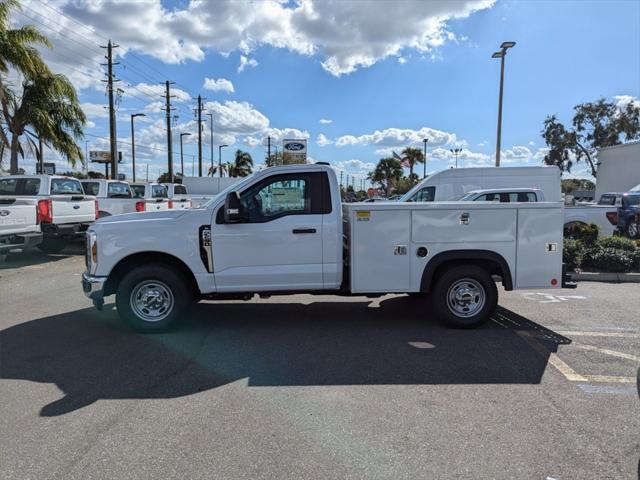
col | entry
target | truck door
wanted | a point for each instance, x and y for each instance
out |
(278, 246)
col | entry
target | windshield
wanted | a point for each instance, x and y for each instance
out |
(19, 186)
(66, 186)
(138, 191)
(179, 190)
(230, 188)
(425, 194)
(118, 190)
(468, 197)
(632, 200)
(159, 191)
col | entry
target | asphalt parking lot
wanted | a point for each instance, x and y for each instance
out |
(316, 387)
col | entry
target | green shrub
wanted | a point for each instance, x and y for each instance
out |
(618, 243)
(612, 254)
(572, 253)
(610, 260)
(586, 233)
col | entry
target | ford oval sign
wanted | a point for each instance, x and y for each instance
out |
(294, 146)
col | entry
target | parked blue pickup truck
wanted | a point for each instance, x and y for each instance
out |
(628, 212)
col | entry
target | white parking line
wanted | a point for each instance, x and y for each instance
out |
(598, 334)
(606, 351)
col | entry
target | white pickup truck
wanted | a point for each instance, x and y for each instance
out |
(151, 197)
(284, 230)
(19, 224)
(605, 217)
(114, 197)
(178, 196)
(455, 183)
(63, 209)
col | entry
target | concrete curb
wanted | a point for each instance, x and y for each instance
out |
(605, 277)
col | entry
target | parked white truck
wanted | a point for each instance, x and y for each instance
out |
(284, 230)
(19, 224)
(178, 196)
(151, 197)
(114, 196)
(455, 183)
(63, 209)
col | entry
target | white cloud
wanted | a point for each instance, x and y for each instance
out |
(323, 141)
(353, 167)
(532, 143)
(402, 60)
(325, 121)
(399, 137)
(623, 100)
(345, 35)
(236, 117)
(94, 110)
(246, 63)
(218, 85)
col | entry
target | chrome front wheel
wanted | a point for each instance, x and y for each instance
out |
(152, 300)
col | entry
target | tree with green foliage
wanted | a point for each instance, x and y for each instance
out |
(45, 106)
(242, 164)
(387, 173)
(569, 185)
(412, 156)
(595, 125)
(48, 109)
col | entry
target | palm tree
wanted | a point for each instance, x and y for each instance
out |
(387, 173)
(241, 166)
(49, 105)
(17, 51)
(413, 156)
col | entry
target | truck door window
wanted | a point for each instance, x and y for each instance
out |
(488, 197)
(525, 197)
(276, 197)
(179, 190)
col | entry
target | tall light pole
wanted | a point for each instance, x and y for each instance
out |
(210, 115)
(456, 151)
(184, 134)
(501, 54)
(220, 147)
(424, 165)
(133, 144)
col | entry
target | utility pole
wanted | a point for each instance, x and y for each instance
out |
(210, 115)
(269, 147)
(41, 156)
(113, 141)
(501, 54)
(424, 163)
(199, 136)
(341, 172)
(167, 99)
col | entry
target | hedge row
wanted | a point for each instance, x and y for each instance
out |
(607, 254)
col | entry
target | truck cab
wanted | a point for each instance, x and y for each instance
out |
(284, 230)
(114, 196)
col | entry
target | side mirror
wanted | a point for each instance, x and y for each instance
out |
(233, 211)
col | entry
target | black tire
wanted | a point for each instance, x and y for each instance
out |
(52, 245)
(632, 230)
(466, 279)
(158, 278)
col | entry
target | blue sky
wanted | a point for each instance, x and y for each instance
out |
(367, 67)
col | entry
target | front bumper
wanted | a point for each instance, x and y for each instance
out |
(93, 288)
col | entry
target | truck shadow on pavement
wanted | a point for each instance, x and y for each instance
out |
(34, 256)
(90, 357)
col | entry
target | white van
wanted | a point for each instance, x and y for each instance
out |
(454, 183)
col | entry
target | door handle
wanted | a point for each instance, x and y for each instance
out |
(304, 230)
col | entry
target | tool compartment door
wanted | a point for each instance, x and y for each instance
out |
(539, 258)
(380, 244)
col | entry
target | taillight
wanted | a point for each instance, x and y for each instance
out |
(140, 206)
(97, 210)
(190, 204)
(45, 211)
(170, 203)
(612, 217)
